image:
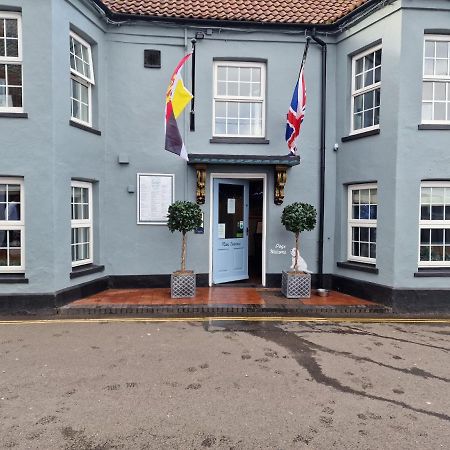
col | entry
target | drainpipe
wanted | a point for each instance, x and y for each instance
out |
(322, 152)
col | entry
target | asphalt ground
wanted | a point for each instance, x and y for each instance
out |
(224, 384)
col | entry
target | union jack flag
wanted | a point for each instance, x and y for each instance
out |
(296, 113)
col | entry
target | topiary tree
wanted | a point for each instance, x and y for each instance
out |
(298, 217)
(184, 217)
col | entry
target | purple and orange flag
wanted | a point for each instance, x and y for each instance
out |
(177, 98)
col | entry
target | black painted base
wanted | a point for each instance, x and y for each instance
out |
(402, 301)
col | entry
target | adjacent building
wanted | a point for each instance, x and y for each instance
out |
(85, 180)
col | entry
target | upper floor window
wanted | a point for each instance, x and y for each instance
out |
(436, 80)
(434, 224)
(12, 225)
(81, 223)
(82, 80)
(362, 222)
(10, 62)
(366, 88)
(239, 99)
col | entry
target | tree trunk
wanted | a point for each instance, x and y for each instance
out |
(297, 250)
(183, 253)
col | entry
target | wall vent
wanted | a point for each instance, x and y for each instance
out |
(152, 59)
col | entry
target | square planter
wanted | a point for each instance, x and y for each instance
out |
(182, 285)
(296, 285)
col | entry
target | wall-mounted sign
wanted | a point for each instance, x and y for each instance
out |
(231, 206)
(221, 231)
(201, 228)
(155, 195)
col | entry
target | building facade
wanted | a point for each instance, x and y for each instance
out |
(84, 176)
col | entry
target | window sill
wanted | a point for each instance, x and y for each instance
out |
(12, 278)
(238, 140)
(361, 135)
(432, 272)
(88, 269)
(85, 128)
(13, 115)
(433, 126)
(362, 267)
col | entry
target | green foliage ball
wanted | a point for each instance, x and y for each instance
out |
(298, 217)
(184, 216)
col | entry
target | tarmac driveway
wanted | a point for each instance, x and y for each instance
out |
(224, 386)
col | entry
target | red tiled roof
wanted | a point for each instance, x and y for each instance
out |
(312, 12)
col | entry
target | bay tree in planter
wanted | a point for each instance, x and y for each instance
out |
(297, 217)
(183, 216)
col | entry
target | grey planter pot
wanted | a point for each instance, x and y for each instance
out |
(296, 285)
(182, 285)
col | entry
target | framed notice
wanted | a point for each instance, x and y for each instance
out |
(155, 193)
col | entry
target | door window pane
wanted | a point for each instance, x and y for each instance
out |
(231, 211)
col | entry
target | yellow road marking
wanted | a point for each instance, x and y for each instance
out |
(230, 319)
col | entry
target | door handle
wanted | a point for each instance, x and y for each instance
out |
(247, 231)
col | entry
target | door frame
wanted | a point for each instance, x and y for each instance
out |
(234, 176)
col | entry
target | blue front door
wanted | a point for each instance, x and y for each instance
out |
(230, 230)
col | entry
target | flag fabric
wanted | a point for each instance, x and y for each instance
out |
(296, 113)
(177, 98)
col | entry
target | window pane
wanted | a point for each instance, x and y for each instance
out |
(425, 236)
(358, 103)
(441, 49)
(256, 90)
(437, 253)
(3, 257)
(373, 251)
(11, 28)
(439, 111)
(3, 239)
(2, 46)
(246, 74)
(378, 58)
(15, 97)
(437, 196)
(437, 236)
(357, 121)
(221, 73)
(447, 253)
(368, 118)
(14, 257)
(368, 78)
(429, 67)
(364, 234)
(427, 111)
(439, 91)
(2, 28)
(245, 89)
(14, 238)
(429, 49)
(233, 73)
(373, 235)
(424, 253)
(12, 48)
(425, 212)
(221, 88)
(364, 250)
(14, 75)
(441, 67)
(359, 66)
(437, 212)
(377, 74)
(13, 193)
(427, 91)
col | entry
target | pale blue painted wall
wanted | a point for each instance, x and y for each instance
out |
(128, 110)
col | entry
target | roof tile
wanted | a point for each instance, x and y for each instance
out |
(266, 11)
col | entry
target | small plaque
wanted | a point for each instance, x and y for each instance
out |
(221, 231)
(231, 206)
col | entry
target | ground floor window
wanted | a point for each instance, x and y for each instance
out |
(82, 238)
(12, 225)
(362, 223)
(434, 241)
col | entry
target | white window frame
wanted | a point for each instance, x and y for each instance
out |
(364, 90)
(13, 59)
(364, 223)
(88, 82)
(241, 99)
(83, 223)
(434, 78)
(439, 224)
(8, 225)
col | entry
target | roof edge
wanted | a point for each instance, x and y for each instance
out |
(332, 26)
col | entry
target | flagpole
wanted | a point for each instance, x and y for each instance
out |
(305, 54)
(192, 114)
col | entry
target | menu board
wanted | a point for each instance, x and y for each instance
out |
(155, 195)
